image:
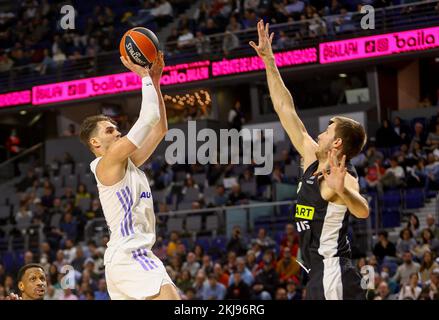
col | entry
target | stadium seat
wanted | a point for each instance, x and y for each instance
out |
(192, 194)
(392, 199)
(175, 224)
(66, 169)
(235, 217)
(249, 187)
(193, 223)
(391, 218)
(5, 212)
(200, 179)
(204, 242)
(84, 204)
(185, 206)
(212, 223)
(292, 170)
(414, 198)
(71, 181)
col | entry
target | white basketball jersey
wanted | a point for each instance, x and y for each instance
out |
(128, 210)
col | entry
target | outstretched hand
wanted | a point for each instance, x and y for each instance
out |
(137, 69)
(13, 296)
(263, 48)
(337, 172)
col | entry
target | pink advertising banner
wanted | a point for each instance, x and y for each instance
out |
(248, 64)
(380, 45)
(15, 98)
(115, 83)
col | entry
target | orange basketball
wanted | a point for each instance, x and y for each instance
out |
(140, 45)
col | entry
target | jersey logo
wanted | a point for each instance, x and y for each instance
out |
(304, 212)
(302, 226)
(145, 195)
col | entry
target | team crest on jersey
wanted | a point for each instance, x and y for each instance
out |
(145, 195)
(304, 212)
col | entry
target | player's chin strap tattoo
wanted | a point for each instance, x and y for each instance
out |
(149, 113)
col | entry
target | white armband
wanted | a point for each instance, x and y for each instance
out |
(149, 113)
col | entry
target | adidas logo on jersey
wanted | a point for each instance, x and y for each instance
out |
(145, 195)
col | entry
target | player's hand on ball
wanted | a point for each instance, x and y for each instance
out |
(157, 68)
(139, 70)
(263, 48)
(335, 178)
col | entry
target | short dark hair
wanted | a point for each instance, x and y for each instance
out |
(88, 127)
(352, 134)
(24, 268)
(384, 233)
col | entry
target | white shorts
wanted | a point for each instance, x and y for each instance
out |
(135, 276)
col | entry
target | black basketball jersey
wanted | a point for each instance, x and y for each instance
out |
(322, 226)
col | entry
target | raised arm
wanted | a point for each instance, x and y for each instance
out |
(159, 131)
(111, 168)
(282, 99)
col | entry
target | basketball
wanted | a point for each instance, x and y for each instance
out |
(140, 45)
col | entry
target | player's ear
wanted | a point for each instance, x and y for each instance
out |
(94, 142)
(21, 286)
(337, 144)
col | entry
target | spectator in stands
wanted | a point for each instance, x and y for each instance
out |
(207, 264)
(281, 294)
(258, 292)
(78, 259)
(373, 154)
(60, 262)
(295, 8)
(222, 276)
(246, 275)
(401, 130)
(393, 177)
(186, 39)
(427, 266)
(184, 280)
(68, 295)
(24, 216)
(431, 224)
(236, 197)
(212, 289)
(6, 62)
(102, 293)
(405, 243)
(290, 240)
(433, 138)
(70, 131)
(27, 181)
(235, 243)
(410, 290)
(239, 290)
(293, 293)
(419, 136)
(264, 239)
(374, 173)
(230, 43)
(191, 264)
(81, 193)
(287, 267)
(413, 225)
(251, 262)
(236, 117)
(283, 41)
(427, 244)
(432, 286)
(68, 195)
(69, 227)
(386, 136)
(384, 292)
(198, 285)
(250, 19)
(268, 275)
(202, 44)
(95, 210)
(384, 247)
(408, 267)
(220, 198)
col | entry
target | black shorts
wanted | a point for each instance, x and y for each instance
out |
(334, 279)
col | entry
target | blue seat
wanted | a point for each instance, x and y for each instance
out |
(392, 199)
(8, 262)
(414, 198)
(391, 218)
(203, 242)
